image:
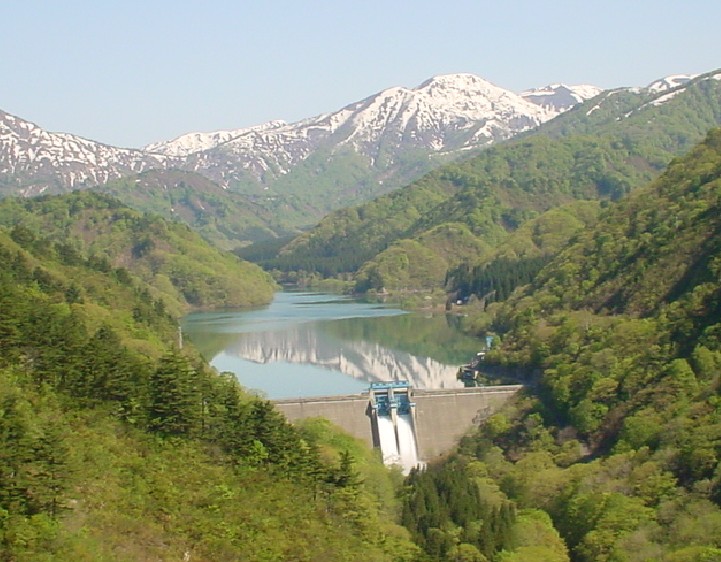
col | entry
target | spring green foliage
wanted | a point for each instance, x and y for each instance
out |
(346, 239)
(445, 511)
(589, 153)
(224, 218)
(489, 196)
(619, 438)
(116, 446)
(677, 124)
(464, 210)
(182, 269)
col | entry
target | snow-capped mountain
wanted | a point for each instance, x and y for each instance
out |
(628, 102)
(365, 148)
(444, 114)
(298, 172)
(34, 160)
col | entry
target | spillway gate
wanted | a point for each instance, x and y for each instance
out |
(409, 426)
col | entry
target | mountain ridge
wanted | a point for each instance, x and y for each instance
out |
(599, 150)
(429, 90)
(299, 172)
(446, 113)
(62, 160)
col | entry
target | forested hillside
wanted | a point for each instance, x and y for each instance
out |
(618, 438)
(602, 149)
(226, 219)
(181, 269)
(116, 446)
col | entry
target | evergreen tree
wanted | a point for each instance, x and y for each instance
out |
(174, 398)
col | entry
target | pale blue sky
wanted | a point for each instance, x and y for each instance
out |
(132, 72)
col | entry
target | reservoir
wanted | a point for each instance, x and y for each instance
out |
(309, 344)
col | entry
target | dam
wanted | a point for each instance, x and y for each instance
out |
(410, 426)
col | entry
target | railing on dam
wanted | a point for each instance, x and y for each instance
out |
(442, 417)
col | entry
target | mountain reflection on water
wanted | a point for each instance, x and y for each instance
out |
(308, 345)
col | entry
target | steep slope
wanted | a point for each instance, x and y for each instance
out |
(654, 247)
(599, 150)
(619, 437)
(647, 272)
(33, 160)
(227, 219)
(116, 445)
(298, 171)
(183, 269)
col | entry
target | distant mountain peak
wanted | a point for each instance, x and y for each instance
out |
(446, 113)
(373, 145)
(561, 97)
(456, 80)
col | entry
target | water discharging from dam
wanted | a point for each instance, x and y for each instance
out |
(387, 437)
(438, 418)
(407, 443)
(394, 424)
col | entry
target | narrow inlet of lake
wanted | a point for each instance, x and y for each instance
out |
(309, 344)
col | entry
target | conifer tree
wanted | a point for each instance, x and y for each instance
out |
(174, 407)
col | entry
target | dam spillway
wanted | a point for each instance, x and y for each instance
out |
(392, 424)
(407, 443)
(388, 442)
(439, 418)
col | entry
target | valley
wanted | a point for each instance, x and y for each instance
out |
(576, 230)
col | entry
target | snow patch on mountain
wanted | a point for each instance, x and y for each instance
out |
(63, 160)
(669, 83)
(560, 97)
(445, 114)
(197, 142)
(668, 88)
(664, 98)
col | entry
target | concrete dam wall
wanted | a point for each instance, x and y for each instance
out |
(442, 417)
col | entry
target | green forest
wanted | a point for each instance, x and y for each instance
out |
(598, 151)
(590, 252)
(224, 218)
(117, 445)
(173, 261)
(618, 437)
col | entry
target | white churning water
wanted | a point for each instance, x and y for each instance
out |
(407, 443)
(387, 435)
